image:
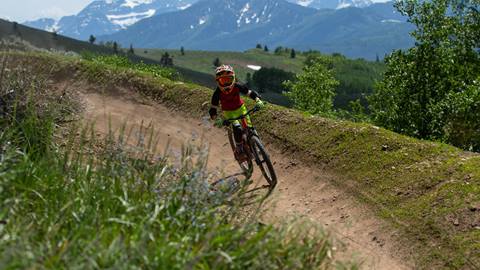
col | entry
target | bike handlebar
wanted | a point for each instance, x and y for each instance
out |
(254, 109)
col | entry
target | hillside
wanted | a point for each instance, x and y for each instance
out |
(428, 191)
(56, 42)
(356, 77)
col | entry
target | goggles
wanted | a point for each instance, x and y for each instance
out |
(225, 80)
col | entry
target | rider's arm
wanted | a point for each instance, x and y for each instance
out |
(215, 103)
(248, 92)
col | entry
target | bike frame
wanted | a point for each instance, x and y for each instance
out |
(244, 124)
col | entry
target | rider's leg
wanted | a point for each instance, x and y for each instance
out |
(237, 125)
(237, 132)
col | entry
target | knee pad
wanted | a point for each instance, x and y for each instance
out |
(237, 133)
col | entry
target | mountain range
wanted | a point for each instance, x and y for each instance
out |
(241, 24)
(103, 17)
(356, 28)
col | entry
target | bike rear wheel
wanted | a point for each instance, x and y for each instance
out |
(263, 161)
(247, 165)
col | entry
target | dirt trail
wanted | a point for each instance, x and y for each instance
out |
(301, 190)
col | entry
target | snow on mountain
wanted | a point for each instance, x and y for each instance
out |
(333, 4)
(134, 3)
(103, 17)
(44, 24)
(126, 20)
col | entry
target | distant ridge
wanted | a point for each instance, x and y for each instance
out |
(238, 25)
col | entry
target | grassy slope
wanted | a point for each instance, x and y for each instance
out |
(430, 191)
(49, 41)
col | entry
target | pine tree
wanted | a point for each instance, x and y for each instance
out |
(293, 54)
(115, 47)
(182, 50)
(265, 48)
(259, 46)
(377, 59)
(166, 60)
(216, 62)
(92, 39)
(131, 50)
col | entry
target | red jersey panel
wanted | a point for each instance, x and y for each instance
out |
(232, 100)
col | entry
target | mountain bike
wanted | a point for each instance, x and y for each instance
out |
(254, 150)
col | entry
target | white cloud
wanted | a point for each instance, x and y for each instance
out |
(23, 10)
(52, 12)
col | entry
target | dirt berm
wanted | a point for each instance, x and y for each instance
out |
(388, 196)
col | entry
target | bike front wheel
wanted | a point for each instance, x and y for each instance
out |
(263, 161)
(246, 165)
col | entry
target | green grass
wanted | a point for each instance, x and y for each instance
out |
(426, 189)
(73, 201)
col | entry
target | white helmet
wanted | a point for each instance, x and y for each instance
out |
(225, 77)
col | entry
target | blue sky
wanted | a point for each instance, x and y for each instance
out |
(21, 10)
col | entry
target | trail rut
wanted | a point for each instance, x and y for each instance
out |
(301, 190)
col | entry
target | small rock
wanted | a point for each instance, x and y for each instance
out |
(374, 238)
(384, 147)
(456, 222)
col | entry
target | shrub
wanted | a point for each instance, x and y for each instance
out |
(314, 89)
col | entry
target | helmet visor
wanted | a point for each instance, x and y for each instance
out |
(225, 80)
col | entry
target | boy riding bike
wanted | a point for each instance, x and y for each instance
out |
(227, 94)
